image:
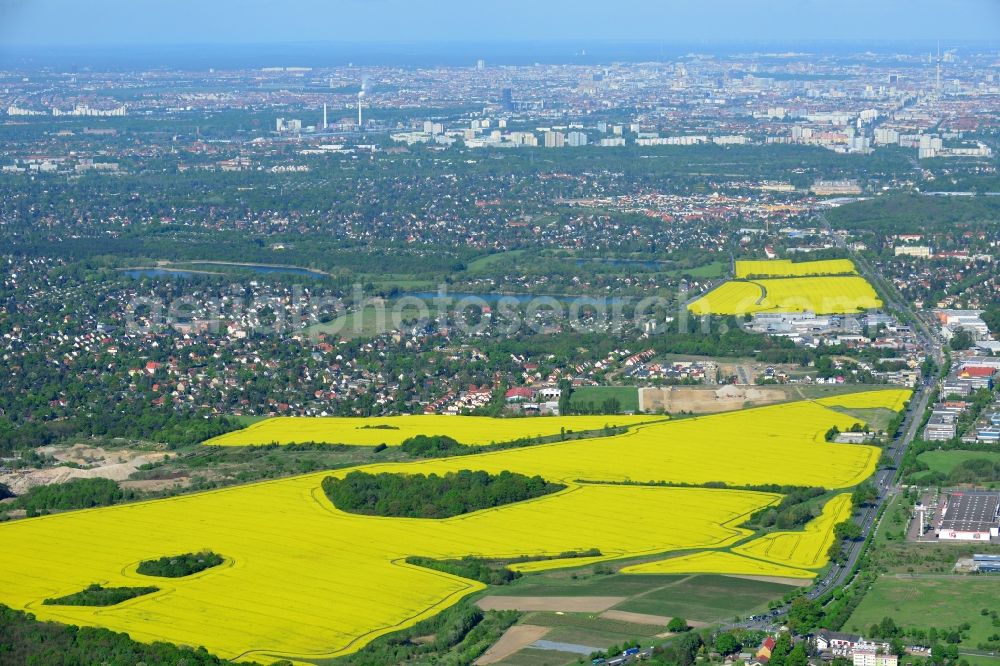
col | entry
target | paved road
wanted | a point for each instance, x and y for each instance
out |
(930, 340)
(884, 479)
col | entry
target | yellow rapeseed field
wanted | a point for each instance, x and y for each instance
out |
(783, 444)
(807, 548)
(717, 562)
(822, 295)
(789, 554)
(731, 297)
(304, 580)
(788, 268)
(393, 430)
(893, 399)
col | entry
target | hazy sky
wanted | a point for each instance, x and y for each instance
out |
(113, 22)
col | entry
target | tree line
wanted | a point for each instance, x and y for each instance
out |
(460, 634)
(794, 510)
(75, 494)
(98, 595)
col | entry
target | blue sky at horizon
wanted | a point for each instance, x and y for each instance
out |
(121, 22)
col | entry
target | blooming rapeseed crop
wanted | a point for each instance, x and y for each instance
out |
(822, 295)
(304, 580)
(788, 268)
(393, 430)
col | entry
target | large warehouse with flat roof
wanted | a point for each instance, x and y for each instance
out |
(986, 563)
(970, 516)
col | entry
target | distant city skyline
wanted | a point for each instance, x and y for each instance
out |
(110, 23)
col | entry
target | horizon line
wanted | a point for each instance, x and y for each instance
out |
(687, 41)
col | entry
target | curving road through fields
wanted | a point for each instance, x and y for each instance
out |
(884, 479)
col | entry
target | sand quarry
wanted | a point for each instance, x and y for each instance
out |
(94, 463)
(706, 400)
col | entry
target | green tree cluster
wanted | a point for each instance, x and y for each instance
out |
(474, 568)
(794, 510)
(677, 625)
(430, 446)
(432, 496)
(459, 635)
(75, 494)
(98, 595)
(178, 566)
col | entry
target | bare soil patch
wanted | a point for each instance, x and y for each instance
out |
(706, 400)
(156, 485)
(517, 637)
(90, 462)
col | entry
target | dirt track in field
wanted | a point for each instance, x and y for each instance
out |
(515, 638)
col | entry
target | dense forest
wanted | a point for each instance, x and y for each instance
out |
(75, 494)
(26, 640)
(916, 213)
(432, 496)
(134, 420)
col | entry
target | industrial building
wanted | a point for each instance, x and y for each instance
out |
(972, 375)
(986, 563)
(970, 516)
